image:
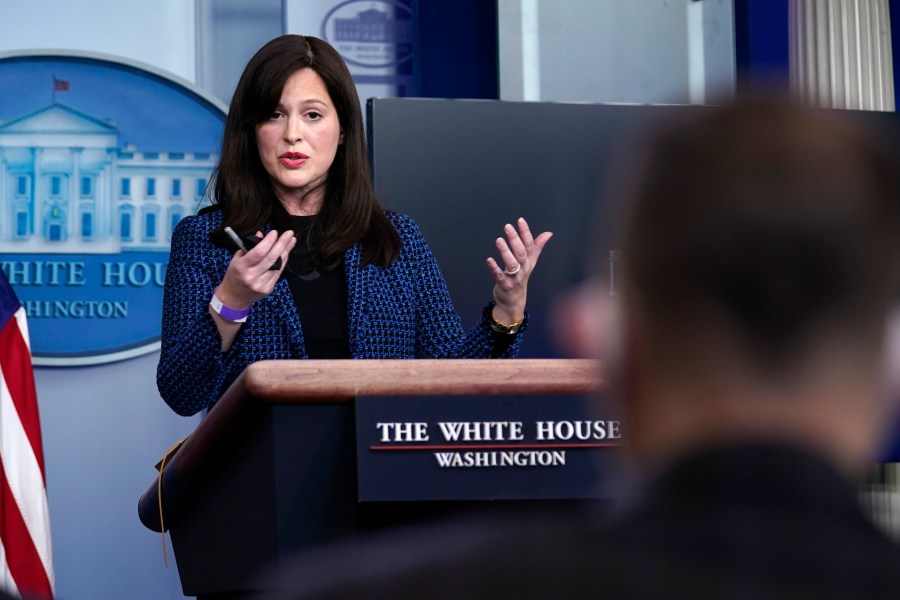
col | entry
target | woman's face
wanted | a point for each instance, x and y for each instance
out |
(298, 142)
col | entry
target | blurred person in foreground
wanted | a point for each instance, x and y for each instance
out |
(762, 258)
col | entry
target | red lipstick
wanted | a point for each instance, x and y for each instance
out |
(292, 160)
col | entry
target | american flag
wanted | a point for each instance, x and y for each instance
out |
(26, 562)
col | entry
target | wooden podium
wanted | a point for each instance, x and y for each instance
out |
(272, 467)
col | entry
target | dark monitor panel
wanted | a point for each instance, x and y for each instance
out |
(464, 168)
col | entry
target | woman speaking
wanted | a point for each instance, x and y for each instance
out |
(296, 258)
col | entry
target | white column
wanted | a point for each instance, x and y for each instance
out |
(102, 203)
(74, 232)
(840, 53)
(112, 196)
(38, 201)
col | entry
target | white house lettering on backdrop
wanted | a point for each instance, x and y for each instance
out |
(77, 274)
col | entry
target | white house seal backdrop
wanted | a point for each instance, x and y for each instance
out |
(99, 159)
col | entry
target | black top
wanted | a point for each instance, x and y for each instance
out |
(320, 296)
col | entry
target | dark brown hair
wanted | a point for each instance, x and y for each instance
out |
(242, 188)
(781, 221)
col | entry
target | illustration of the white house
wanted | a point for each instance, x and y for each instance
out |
(67, 186)
(373, 26)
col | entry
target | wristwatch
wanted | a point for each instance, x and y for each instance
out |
(227, 313)
(501, 328)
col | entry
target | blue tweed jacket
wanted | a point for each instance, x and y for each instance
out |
(400, 311)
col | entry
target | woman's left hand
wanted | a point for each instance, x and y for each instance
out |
(519, 254)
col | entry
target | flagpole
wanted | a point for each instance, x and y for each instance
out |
(54, 88)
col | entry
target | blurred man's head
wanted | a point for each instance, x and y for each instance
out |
(762, 259)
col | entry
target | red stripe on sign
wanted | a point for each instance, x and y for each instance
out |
(501, 446)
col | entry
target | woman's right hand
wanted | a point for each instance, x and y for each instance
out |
(249, 278)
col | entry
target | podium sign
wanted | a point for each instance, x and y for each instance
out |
(482, 448)
(271, 468)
